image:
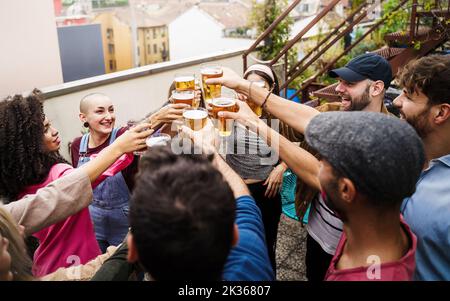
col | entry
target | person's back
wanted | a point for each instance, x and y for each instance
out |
(182, 218)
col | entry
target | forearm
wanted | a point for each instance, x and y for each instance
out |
(236, 183)
(52, 203)
(301, 162)
(297, 116)
(94, 168)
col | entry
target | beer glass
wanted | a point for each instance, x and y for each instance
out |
(184, 82)
(257, 109)
(158, 139)
(211, 91)
(225, 126)
(186, 97)
(195, 119)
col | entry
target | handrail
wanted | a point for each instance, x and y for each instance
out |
(326, 38)
(313, 22)
(329, 65)
(323, 50)
(268, 31)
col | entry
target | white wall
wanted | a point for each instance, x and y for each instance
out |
(196, 33)
(132, 98)
(29, 51)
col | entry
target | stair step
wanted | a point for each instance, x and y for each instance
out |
(388, 52)
(403, 36)
(434, 13)
(329, 93)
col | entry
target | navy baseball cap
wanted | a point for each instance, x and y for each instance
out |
(366, 66)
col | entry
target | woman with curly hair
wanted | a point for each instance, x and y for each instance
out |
(29, 160)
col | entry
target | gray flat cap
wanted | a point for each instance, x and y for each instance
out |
(382, 155)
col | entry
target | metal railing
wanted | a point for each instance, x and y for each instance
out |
(344, 28)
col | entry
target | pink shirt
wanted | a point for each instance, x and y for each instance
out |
(401, 270)
(72, 241)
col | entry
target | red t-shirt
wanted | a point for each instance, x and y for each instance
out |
(128, 173)
(401, 270)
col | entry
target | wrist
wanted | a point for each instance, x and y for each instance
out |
(243, 87)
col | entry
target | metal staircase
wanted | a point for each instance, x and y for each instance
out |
(400, 48)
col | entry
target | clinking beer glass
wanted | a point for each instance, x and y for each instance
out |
(228, 104)
(211, 91)
(195, 119)
(184, 82)
(257, 109)
(186, 97)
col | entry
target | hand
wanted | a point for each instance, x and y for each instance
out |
(205, 139)
(274, 181)
(5, 261)
(231, 80)
(168, 114)
(244, 116)
(133, 139)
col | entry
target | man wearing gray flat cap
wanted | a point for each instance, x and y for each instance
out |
(369, 163)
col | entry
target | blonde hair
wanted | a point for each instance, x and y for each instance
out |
(21, 263)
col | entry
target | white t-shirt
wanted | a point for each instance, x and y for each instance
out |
(324, 226)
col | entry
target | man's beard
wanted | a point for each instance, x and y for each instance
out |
(359, 103)
(420, 123)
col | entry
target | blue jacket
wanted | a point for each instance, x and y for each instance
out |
(248, 260)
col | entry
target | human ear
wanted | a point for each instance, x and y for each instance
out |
(347, 190)
(235, 240)
(132, 255)
(442, 113)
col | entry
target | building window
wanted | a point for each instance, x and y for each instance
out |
(109, 34)
(149, 49)
(111, 48)
(112, 65)
(163, 33)
(155, 48)
(154, 33)
(139, 50)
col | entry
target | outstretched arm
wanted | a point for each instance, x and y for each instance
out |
(294, 114)
(72, 192)
(301, 162)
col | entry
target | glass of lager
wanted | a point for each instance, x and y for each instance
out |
(158, 139)
(225, 126)
(211, 91)
(186, 97)
(184, 82)
(257, 109)
(195, 119)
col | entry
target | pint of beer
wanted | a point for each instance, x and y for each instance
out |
(220, 104)
(211, 91)
(195, 119)
(186, 97)
(257, 109)
(184, 82)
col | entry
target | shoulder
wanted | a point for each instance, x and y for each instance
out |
(59, 170)
(329, 106)
(76, 143)
(121, 130)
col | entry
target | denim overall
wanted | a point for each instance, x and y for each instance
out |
(109, 210)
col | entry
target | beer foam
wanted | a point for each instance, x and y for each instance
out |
(195, 114)
(184, 95)
(211, 71)
(159, 140)
(223, 102)
(184, 78)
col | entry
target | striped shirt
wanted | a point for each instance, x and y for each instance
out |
(324, 226)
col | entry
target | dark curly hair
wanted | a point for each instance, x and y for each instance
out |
(23, 158)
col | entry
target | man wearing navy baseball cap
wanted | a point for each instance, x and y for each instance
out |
(362, 85)
(363, 82)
